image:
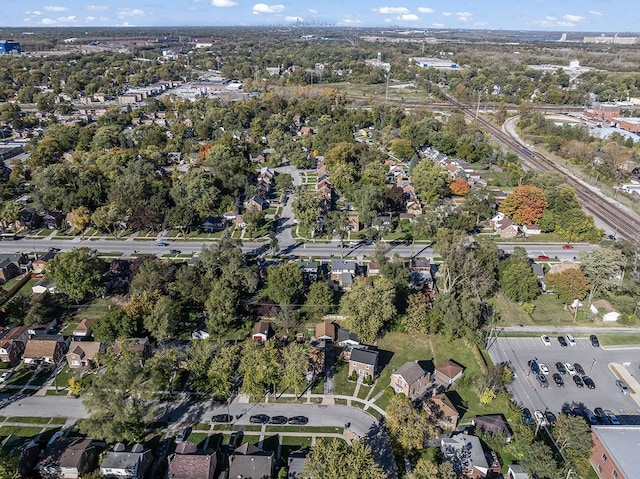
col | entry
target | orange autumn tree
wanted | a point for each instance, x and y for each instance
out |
(459, 187)
(525, 205)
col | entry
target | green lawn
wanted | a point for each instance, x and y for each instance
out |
(93, 310)
(341, 385)
(41, 378)
(21, 376)
(26, 290)
(549, 311)
(64, 376)
(26, 431)
(28, 419)
(296, 441)
(7, 285)
(618, 339)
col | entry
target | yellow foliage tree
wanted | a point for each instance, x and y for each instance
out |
(487, 397)
(75, 386)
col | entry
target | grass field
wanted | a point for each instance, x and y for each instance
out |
(618, 339)
(549, 312)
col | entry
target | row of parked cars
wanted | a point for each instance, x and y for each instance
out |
(575, 371)
(264, 419)
(595, 417)
(569, 340)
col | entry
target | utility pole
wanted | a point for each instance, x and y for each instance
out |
(386, 94)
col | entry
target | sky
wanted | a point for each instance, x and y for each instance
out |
(555, 15)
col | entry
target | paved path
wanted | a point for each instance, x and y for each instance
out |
(623, 373)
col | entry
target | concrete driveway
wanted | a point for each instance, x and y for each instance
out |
(595, 361)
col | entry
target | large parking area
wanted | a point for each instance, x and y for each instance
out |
(595, 362)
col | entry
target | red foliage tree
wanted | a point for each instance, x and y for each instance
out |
(459, 187)
(525, 205)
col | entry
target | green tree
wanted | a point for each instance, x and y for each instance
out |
(537, 460)
(416, 321)
(76, 273)
(198, 192)
(425, 469)
(603, 267)
(9, 463)
(335, 459)
(221, 306)
(116, 324)
(573, 436)
(319, 300)
(517, 280)
(284, 283)
(294, 369)
(306, 208)
(568, 284)
(222, 370)
(408, 426)
(260, 367)
(81, 218)
(163, 321)
(369, 307)
(431, 181)
(199, 358)
(402, 149)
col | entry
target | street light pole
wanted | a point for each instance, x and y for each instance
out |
(592, 364)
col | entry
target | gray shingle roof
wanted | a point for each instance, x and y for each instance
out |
(410, 372)
(365, 356)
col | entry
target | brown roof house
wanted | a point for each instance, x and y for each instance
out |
(83, 330)
(250, 462)
(69, 458)
(363, 362)
(493, 424)
(190, 463)
(81, 353)
(12, 344)
(441, 411)
(48, 350)
(326, 331)
(410, 379)
(448, 372)
(9, 266)
(262, 331)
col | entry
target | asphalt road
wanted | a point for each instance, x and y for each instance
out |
(606, 395)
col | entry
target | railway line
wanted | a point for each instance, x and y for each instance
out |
(622, 222)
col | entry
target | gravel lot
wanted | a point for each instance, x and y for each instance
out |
(595, 362)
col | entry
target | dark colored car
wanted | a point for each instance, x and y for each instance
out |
(588, 382)
(558, 380)
(542, 380)
(579, 369)
(259, 419)
(566, 409)
(535, 369)
(298, 420)
(221, 418)
(526, 416)
(601, 415)
(234, 440)
(174, 251)
(594, 341)
(551, 418)
(562, 341)
(560, 367)
(578, 381)
(278, 420)
(589, 416)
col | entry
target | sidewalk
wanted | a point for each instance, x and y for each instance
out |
(621, 371)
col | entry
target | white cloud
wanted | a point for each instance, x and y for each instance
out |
(425, 10)
(69, 19)
(130, 12)
(438, 25)
(53, 8)
(593, 12)
(293, 19)
(89, 19)
(409, 17)
(97, 8)
(463, 16)
(47, 21)
(573, 18)
(223, 3)
(35, 12)
(446, 14)
(392, 10)
(313, 11)
(350, 21)
(259, 8)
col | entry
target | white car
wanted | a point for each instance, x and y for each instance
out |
(613, 419)
(543, 368)
(570, 339)
(5, 375)
(570, 369)
(540, 419)
(545, 340)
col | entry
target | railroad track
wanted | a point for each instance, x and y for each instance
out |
(605, 209)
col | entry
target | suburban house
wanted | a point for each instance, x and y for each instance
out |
(190, 463)
(262, 331)
(326, 331)
(141, 346)
(493, 424)
(256, 203)
(212, 224)
(448, 372)
(39, 264)
(122, 463)
(531, 230)
(12, 344)
(49, 350)
(309, 270)
(46, 327)
(81, 353)
(364, 362)
(410, 379)
(515, 471)
(297, 460)
(69, 458)
(83, 329)
(347, 339)
(343, 273)
(615, 451)
(441, 411)
(250, 462)
(9, 266)
(504, 226)
(373, 269)
(465, 453)
(43, 286)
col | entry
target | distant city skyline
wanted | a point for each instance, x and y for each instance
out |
(541, 15)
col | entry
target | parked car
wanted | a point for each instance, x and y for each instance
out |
(543, 257)
(545, 340)
(298, 420)
(278, 420)
(222, 418)
(578, 381)
(562, 341)
(560, 367)
(534, 366)
(579, 369)
(163, 244)
(259, 419)
(353, 244)
(567, 246)
(570, 339)
(623, 387)
(594, 341)
(182, 434)
(558, 380)
(540, 419)
(5, 375)
(234, 440)
(601, 415)
(570, 369)
(589, 416)
(175, 251)
(566, 409)
(588, 382)
(542, 380)
(613, 419)
(55, 437)
(543, 368)
(526, 416)
(551, 418)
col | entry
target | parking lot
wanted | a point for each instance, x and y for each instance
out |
(595, 362)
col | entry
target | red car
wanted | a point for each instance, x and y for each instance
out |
(543, 257)
(567, 246)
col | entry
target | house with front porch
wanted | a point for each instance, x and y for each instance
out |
(411, 380)
(364, 362)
